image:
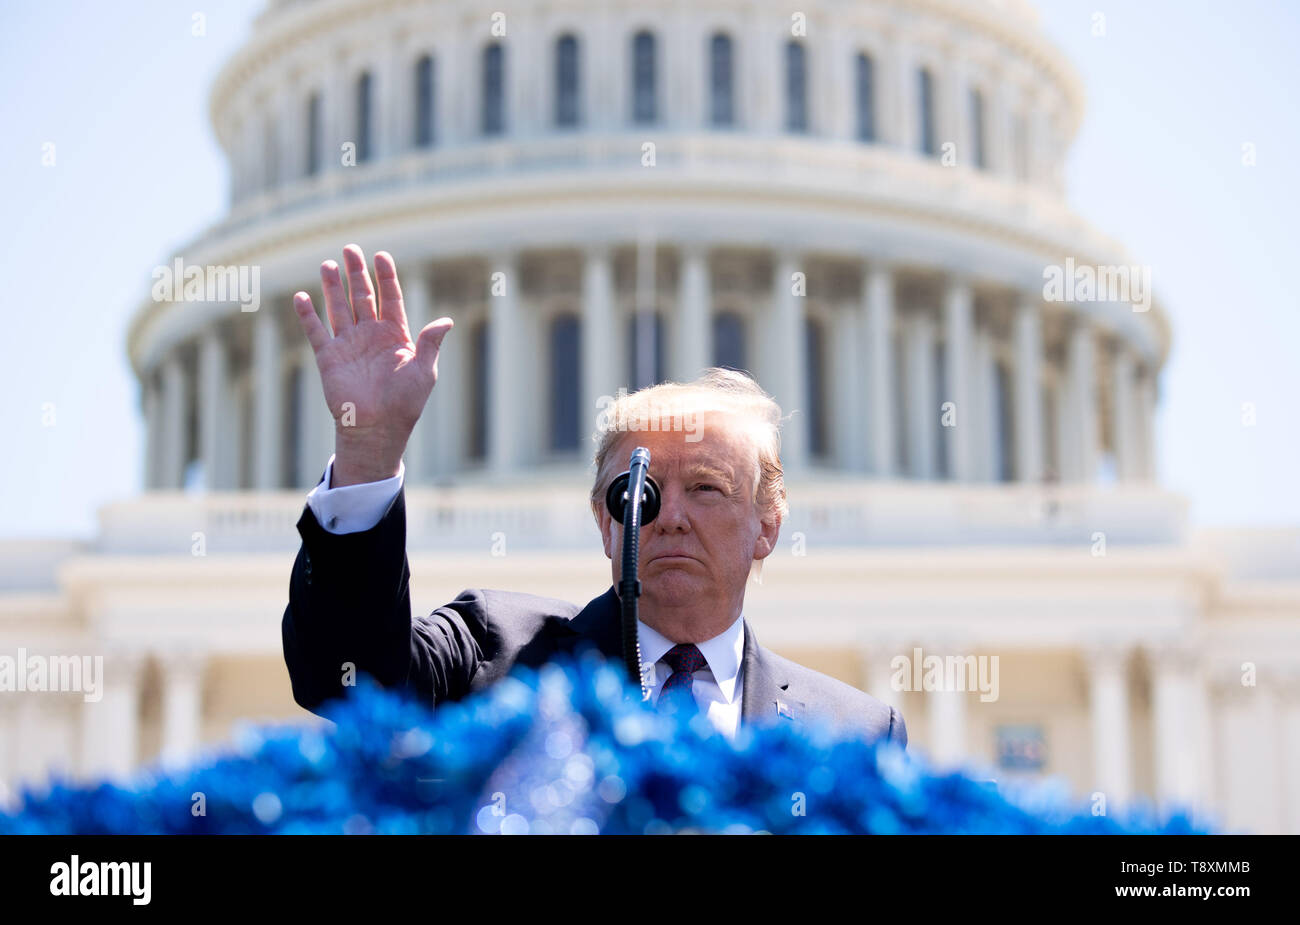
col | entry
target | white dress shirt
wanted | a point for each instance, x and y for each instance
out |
(717, 687)
(353, 508)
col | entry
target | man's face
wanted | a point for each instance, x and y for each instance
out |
(694, 558)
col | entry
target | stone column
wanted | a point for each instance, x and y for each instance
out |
(1081, 422)
(504, 388)
(984, 437)
(213, 373)
(1064, 442)
(1269, 752)
(268, 399)
(1107, 666)
(259, 165)
(875, 657)
(1028, 392)
(613, 56)
(693, 351)
(523, 76)
(242, 174)
(1145, 412)
(235, 157)
(765, 76)
(947, 714)
(901, 99)
(846, 400)
(255, 163)
(1122, 413)
(269, 153)
(339, 110)
(921, 422)
(959, 319)
(9, 755)
(110, 727)
(446, 436)
(998, 133)
(954, 112)
(1036, 131)
(457, 73)
(317, 424)
(175, 401)
(601, 353)
(182, 703)
(239, 475)
(292, 128)
(393, 101)
(30, 751)
(417, 299)
(152, 402)
(1203, 717)
(1289, 731)
(598, 54)
(784, 360)
(644, 308)
(835, 84)
(685, 81)
(878, 318)
(1179, 728)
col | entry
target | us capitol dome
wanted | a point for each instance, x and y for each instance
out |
(858, 203)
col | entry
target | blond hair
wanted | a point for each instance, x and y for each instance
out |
(716, 390)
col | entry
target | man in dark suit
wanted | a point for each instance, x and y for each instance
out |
(714, 447)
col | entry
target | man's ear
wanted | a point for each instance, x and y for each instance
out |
(607, 532)
(769, 530)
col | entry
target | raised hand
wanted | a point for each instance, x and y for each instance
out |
(376, 377)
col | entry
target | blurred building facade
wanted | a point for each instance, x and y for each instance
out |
(857, 204)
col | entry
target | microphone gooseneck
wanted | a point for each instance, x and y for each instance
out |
(633, 500)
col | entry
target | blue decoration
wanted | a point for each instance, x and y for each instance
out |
(567, 749)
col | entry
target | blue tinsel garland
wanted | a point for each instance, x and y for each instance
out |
(565, 750)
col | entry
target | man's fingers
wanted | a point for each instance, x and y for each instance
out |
(336, 298)
(429, 343)
(391, 306)
(317, 336)
(359, 286)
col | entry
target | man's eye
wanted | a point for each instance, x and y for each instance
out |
(707, 485)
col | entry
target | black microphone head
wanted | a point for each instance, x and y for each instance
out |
(616, 498)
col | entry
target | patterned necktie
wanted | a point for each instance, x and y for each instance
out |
(676, 694)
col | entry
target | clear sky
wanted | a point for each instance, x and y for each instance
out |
(1174, 90)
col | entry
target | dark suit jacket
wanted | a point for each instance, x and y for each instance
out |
(349, 602)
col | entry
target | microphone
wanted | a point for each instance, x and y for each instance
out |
(617, 496)
(633, 500)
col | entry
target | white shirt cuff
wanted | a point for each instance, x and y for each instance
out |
(353, 508)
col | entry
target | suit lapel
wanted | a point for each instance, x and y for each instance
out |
(766, 697)
(600, 622)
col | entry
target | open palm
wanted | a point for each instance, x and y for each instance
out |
(376, 377)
